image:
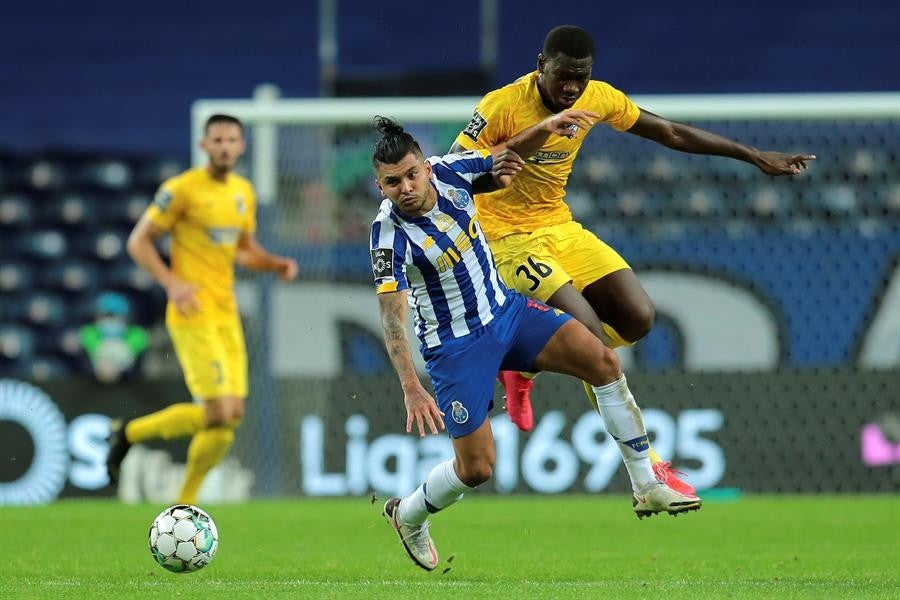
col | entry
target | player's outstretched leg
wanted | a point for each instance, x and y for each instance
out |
(118, 448)
(661, 468)
(518, 401)
(625, 424)
(415, 538)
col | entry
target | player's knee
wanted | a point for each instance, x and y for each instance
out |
(640, 321)
(224, 412)
(476, 472)
(606, 367)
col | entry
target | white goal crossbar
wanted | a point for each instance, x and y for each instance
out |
(266, 110)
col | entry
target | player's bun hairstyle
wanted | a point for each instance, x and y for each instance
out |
(569, 40)
(220, 118)
(394, 143)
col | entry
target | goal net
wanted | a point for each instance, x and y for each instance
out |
(777, 339)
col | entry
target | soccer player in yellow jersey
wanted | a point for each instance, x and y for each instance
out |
(540, 250)
(210, 213)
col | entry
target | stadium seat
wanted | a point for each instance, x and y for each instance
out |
(73, 276)
(124, 210)
(700, 202)
(127, 275)
(63, 341)
(46, 244)
(16, 343)
(45, 174)
(106, 174)
(16, 210)
(44, 309)
(837, 200)
(15, 276)
(765, 202)
(48, 367)
(107, 245)
(150, 173)
(70, 210)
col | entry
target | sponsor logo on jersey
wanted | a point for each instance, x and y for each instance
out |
(382, 262)
(459, 412)
(223, 235)
(239, 201)
(444, 223)
(542, 157)
(475, 126)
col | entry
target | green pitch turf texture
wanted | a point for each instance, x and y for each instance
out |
(502, 547)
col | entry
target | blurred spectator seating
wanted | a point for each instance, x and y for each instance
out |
(64, 221)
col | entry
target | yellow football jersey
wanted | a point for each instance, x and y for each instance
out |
(205, 218)
(535, 198)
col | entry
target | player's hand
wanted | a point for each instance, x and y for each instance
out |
(568, 122)
(779, 163)
(506, 165)
(184, 296)
(421, 409)
(286, 268)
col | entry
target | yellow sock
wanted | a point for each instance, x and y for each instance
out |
(178, 420)
(589, 392)
(615, 340)
(207, 449)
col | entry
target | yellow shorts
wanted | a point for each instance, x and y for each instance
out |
(538, 264)
(213, 357)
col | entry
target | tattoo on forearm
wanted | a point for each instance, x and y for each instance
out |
(393, 321)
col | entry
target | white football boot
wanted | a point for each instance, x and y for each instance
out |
(658, 497)
(415, 538)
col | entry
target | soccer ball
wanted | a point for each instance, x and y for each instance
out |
(183, 539)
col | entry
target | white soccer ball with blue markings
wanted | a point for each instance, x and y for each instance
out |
(183, 538)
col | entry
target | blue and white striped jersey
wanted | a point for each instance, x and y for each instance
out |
(441, 257)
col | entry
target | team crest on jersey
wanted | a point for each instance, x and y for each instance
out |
(459, 412)
(459, 198)
(475, 126)
(444, 223)
(239, 202)
(162, 199)
(382, 262)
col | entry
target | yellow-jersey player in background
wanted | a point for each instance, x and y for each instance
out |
(210, 214)
(540, 251)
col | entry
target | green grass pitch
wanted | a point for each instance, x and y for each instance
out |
(502, 547)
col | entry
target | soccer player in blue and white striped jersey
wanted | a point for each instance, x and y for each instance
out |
(429, 252)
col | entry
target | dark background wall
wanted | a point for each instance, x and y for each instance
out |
(123, 75)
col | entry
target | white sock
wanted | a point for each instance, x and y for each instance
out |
(624, 422)
(442, 488)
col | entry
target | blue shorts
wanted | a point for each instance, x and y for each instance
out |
(463, 370)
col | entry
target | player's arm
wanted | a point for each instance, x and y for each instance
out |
(686, 138)
(528, 141)
(142, 249)
(420, 406)
(251, 255)
(566, 124)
